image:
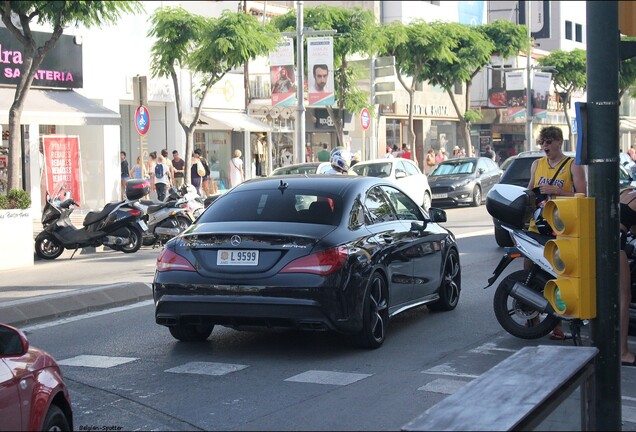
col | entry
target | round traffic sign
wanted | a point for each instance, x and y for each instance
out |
(365, 118)
(142, 120)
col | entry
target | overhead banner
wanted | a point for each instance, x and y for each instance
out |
(541, 93)
(283, 74)
(62, 164)
(320, 71)
(515, 94)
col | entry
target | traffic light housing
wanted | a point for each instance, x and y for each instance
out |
(572, 256)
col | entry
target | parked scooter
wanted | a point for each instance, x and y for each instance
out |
(167, 219)
(519, 304)
(116, 225)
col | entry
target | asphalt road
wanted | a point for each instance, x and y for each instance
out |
(126, 372)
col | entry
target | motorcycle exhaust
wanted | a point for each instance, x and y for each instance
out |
(112, 240)
(167, 231)
(530, 297)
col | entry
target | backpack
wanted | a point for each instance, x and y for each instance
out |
(159, 170)
(207, 168)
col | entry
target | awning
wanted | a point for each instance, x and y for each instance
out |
(627, 125)
(57, 107)
(234, 121)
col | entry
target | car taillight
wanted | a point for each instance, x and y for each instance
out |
(171, 261)
(320, 263)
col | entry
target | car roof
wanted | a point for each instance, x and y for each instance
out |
(540, 153)
(380, 160)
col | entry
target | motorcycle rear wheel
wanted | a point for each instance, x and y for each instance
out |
(135, 239)
(516, 317)
(47, 247)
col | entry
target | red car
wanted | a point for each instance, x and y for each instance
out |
(33, 395)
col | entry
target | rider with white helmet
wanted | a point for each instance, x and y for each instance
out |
(340, 161)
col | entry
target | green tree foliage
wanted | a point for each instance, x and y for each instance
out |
(469, 50)
(627, 73)
(207, 47)
(571, 75)
(355, 35)
(58, 15)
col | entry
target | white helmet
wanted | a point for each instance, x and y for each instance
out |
(341, 159)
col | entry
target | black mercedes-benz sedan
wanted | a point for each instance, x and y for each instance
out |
(318, 252)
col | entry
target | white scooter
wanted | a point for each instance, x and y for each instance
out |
(519, 304)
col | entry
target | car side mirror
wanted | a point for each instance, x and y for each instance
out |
(400, 174)
(481, 170)
(12, 341)
(437, 215)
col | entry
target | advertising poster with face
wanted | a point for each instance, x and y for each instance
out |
(283, 74)
(515, 95)
(541, 93)
(320, 71)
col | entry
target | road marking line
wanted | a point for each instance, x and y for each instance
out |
(207, 368)
(490, 346)
(86, 316)
(447, 370)
(444, 386)
(96, 361)
(328, 377)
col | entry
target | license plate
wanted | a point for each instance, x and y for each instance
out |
(440, 196)
(143, 225)
(237, 257)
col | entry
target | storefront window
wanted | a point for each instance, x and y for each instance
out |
(393, 133)
(217, 149)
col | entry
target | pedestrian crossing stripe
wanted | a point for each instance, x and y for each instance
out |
(207, 368)
(328, 377)
(96, 361)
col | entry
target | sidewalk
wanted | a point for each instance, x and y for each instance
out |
(63, 287)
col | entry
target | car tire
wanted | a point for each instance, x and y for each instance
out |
(375, 314)
(427, 202)
(502, 237)
(55, 420)
(451, 284)
(476, 201)
(191, 333)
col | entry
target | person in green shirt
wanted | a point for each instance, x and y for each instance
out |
(324, 154)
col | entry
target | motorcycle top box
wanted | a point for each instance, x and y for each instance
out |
(137, 189)
(512, 205)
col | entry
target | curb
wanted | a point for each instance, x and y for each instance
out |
(75, 302)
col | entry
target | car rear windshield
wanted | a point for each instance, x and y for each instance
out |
(450, 168)
(518, 173)
(382, 169)
(276, 206)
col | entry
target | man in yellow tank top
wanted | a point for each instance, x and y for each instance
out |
(571, 178)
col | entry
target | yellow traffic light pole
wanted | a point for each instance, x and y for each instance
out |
(572, 256)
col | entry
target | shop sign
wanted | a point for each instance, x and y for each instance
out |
(429, 110)
(61, 67)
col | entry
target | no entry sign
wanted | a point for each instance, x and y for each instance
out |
(365, 118)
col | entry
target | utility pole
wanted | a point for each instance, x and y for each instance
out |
(299, 145)
(602, 126)
(529, 114)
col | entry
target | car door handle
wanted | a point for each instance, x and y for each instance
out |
(387, 238)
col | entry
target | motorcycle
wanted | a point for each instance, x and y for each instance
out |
(519, 304)
(630, 250)
(167, 219)
(116, 226)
